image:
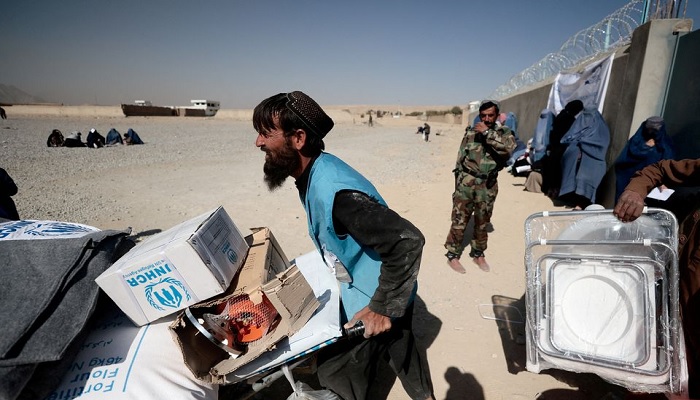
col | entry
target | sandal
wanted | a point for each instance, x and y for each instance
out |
(474, 253)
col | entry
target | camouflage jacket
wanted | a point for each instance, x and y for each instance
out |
(473, 155)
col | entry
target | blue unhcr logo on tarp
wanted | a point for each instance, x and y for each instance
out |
(167, 292)
(58, 229)
(30, 229)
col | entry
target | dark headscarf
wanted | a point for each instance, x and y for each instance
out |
(551, 165)
(563, 121)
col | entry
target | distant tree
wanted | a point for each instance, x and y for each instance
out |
(456, 110)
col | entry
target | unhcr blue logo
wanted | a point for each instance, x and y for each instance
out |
(230, 253)
(166, 293)
(43, 229)
(58, 229)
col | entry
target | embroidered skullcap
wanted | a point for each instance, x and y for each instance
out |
(310, 113)
(654, 123)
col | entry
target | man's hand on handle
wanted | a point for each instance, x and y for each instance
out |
(629, 206)
(374, 323)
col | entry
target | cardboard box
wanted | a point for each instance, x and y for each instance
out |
(265, 273)
(191, 262)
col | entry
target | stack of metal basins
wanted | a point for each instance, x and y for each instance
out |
(602, 297)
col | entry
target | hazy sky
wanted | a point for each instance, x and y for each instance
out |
(436, 52)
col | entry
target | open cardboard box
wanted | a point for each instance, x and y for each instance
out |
(188, 263)
(267, 272)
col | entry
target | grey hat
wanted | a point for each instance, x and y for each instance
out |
(310, 113)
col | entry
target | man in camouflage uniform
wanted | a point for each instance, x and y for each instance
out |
(484, 150)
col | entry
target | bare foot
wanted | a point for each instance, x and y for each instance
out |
(456, 265)
(481, 263)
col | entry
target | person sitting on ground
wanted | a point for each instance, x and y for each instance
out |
(583, 162)
(540, 139)
(648, 145)
(510, 120)
(94, 139)
(55, 139)
(552, 161)
(113, 137)
(8, 188)
(630, 205)
(131, 137)
(522, 164)
(73, 140)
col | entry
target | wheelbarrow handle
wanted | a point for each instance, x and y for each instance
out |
(354, 331)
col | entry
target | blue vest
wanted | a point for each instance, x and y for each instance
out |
(328, 176)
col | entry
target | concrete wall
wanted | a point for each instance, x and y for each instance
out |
(636, 91)
(682, 109)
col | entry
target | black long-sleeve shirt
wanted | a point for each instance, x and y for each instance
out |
(397, 241)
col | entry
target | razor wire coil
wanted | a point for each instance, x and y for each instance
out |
(611, 33)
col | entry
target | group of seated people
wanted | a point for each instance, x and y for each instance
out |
(572, 152)
(94, 139)
(565, 159)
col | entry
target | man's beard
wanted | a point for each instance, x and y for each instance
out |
(280, 165)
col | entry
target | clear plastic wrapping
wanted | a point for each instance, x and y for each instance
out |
(602, 297)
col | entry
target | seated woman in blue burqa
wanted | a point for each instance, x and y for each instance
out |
(648, 145)
(583, 162)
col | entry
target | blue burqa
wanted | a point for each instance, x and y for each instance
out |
(540, 140)
(583, 162)
(520, 147)
(637, 155)
(113, 137)
(135, 139)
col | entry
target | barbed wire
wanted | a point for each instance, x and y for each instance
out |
(608, 35)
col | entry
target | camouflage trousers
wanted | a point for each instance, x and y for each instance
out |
(470, 196)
